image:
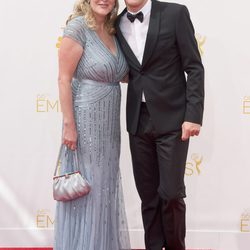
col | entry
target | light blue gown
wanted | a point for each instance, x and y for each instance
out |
(96, 221)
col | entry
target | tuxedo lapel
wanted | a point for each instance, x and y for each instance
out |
(153, 31)
(124, 45)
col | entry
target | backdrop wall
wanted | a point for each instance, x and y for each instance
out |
(218, 169)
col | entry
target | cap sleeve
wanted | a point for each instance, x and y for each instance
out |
(75, 30)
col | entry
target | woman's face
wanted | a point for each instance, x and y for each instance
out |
(102, 7)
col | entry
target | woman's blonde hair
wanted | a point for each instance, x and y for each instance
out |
(82, 8)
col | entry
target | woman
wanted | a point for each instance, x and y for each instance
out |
(91, 65)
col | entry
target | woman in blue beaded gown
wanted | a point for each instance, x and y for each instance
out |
(91, 65)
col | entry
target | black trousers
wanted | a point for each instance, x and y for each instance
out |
(159, 165)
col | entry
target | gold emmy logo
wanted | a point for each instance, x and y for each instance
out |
(200, 41)
(43, 219)
(245, 221)
(45, 104)
(194, 166)
(246, 105)
(59, 167)
(59, 40)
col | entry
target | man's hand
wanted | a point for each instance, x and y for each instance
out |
(190, 129)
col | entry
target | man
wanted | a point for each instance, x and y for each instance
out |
(164, 108)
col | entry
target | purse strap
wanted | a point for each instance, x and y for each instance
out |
(67, 151)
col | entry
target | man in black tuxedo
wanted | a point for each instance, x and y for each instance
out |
(164, 108)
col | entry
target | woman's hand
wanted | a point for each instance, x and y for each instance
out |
(125, 79)
(70, 136)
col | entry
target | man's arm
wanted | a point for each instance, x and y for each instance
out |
(192, 65)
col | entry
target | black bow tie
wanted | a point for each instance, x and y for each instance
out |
(132, 17)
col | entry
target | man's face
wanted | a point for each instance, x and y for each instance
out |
(135, 5)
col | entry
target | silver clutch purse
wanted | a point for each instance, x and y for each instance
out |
(70, 185)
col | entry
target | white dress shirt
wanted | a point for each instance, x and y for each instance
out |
(135, 33)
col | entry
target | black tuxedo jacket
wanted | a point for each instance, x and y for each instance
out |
(170, 50)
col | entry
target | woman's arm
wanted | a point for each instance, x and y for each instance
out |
(70, 53)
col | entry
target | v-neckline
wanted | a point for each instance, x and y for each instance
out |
(105, 46)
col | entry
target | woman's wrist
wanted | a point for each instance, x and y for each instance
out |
(70, 124)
